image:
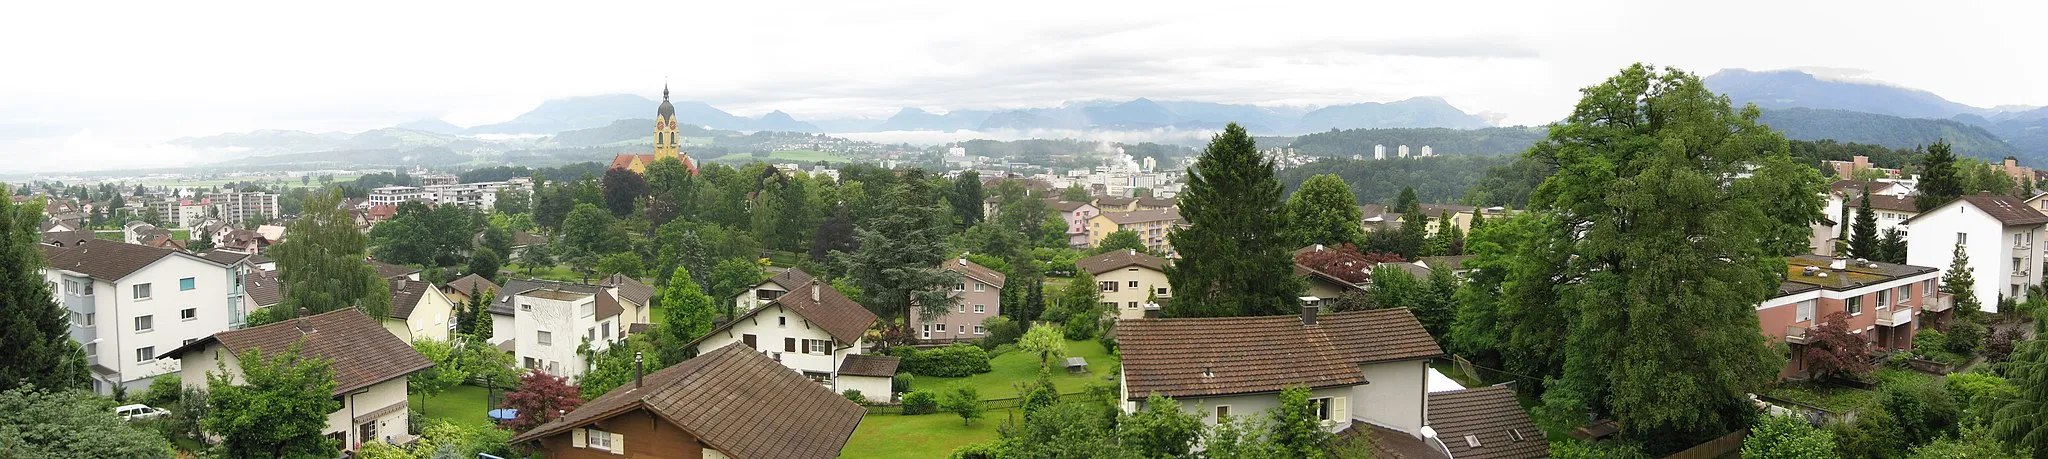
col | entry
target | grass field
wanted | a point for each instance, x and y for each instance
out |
(1016, 366)
(554, 273)
(924, 436)
(461, 404)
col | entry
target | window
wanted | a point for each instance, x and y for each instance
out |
(188, 314)
(980, 287)
(789, 345)
(187, 342)
(1159, 290)
(526, 307)
(751, 341)
(554, 367)
(589, 309)
(980, 330)
(145, 323)
(939, 327)
(145, 354)
(1322, 406)
(82, 319)
(187, 284)
(980, 309)
(531, 364)
(818, 346)
(1109, 305)
(781, 321)
(1905, 293)
(1222, 411)
(1855, 306)
(1132, 305)
(366, 432)
(1962, 238)
(607, 331)
(960, 308)
(546, 338)
(597, 439)
(141, 291)
(2019, 264)
(590, 334)
(1131, 284)
(960, 286)
(1927, 286)
(1884, 298)
(1108, 286)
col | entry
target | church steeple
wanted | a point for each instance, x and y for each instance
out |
(666, 145)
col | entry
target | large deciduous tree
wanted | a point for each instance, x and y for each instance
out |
(321, 267)
(623, 190)
(1235, 252)
(279, 407)
(1122, 240)
(36, 328)
(1323, 211)
(673, 190)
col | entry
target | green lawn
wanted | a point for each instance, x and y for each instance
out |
(931, 435)
(555, 273)
(460, 404)
(1018, 366)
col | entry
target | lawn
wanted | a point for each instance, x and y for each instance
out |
(930, 435)
(1017, 366)
(463, 404)
(554, 273)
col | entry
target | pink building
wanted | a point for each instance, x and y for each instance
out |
(1885, 302)
(1076, 214)
(979, 296)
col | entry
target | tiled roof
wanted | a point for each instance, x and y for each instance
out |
(1111, 261)
(106, 260)
(525, 238)
(1855, 187)
(503, 304)
(1114, 201)
(224, 257)
(358, 348)
(472, 284)
(975, 271)
(1389, 443)
(1062, 206)
(68, 238)
(607, 306)
(1155, 202)
(406, 294)
(388, 271)
(630, 289)
(739, 402)
(1196, 357)
(790, 278)
(1328, 278)
(842, 318)
(263, 288)
(1881, 202)
(1487, 414)
(2004, 208)
(1170, 214)
(1413, 269)
(869, 365)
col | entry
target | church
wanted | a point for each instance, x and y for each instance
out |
(666, 145)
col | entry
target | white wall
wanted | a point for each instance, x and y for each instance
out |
(1931, 242)
(1257, 404)
(115, 310)
(375, 397)
(565, 323)
(875, 389)
(770, 327)
(1125, 295)
(1396, 395)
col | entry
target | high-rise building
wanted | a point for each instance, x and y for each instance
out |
(1379, 152)
(1404, 151)
(1426, 153)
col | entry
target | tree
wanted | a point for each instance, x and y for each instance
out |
(1786, 437)
(485, 262)
(1297, 429)
(537, 255)
(279, 409)
(623, 190)
(1892, 247)
(966, 198)
(689, 312)
(1323, 211)
(1973, 443)
(963, 401)
(497, 236)
(1411, 239)
(199, 244)
(540, 398)
(1923, 410)
(1075, 193)
(1081, 295)
(1653, 250)
(732, 276)
(1047, 342)
(1863, 242)
(1445, 240)
(72, 423)
(1122, 240)
(673, 190)
(1437, 309)
(618, 365)
(834, 234)
(445, 373)
(589, 231)
(321, 267)
(1939, 182)
(1833, 353)
(897, 265)
(623, 263)
(422, 235)
(1160, 430)
(1235, 256)
(1961, 287)
(475, 318)
(513, 202)
(36, 327)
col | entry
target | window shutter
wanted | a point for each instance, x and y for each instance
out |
(1340, 409)
(577, 439)
(789, 345)
(618, 443)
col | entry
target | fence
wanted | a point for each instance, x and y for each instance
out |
(1726, 446)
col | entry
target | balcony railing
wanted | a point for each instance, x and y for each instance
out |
(1795, 334)
(1937, 303)
(1894, 317)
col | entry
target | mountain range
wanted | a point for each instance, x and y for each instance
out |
(1807, 107)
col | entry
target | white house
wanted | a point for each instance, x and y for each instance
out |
(1129, 281)
(1996, 232)
(812, 330)
(128, 303)
(768, 290)
(369, 366)
(1891, 203)
(549, 323)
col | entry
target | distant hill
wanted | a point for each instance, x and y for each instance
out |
(574, 113)
(434, 125)
(1795, 89)
(1020, 120)
(782, 122)
(630, 132)
(1892, 131)
(1419, 112)
(265, 142)
(1442, 141)
(916, 119)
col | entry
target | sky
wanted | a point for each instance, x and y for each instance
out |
(109, 82)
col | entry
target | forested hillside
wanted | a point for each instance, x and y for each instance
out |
(1892, 131)
(1436, 180)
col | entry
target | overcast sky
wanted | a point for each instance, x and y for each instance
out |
(83, 79)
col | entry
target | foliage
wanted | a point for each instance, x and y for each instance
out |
(1323, 211)
(1835, 353)
(57, 424)
(1001, 330)
(2000, 346)
(2022, 421)
(1121, 240)
(689, 315)
(1160, 430)
(485, 262)
(623, 190)
(1960, 285)
(589, 231)
(618, 365)
(1979, 393)
(540, 398)
(1450, 143)
(1786, 437)
(964, 402)
(897, 265)
(1891, 247)
(1297, 430)
(1081, 294)
(1069, 429)
(1080, 326)
(1046, 342)
(1923, 411)
(279, 410)
(321, 267)
(1973, 443)
(1873, 435)
(957, 360)
(163, 390)
(1939, 182)
(1964, 337)
(732, 276)
(444, 374)
(621, 263)
(421, 235)
(966, 197)
(1345, 262)
(920, 402)
(1578, 449)
(1235, 259)
(1863, 238)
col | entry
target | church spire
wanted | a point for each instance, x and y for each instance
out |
(664, 89)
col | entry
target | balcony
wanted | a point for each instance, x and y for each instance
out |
(1795, 334)
(1937, 303)
(1894, 317)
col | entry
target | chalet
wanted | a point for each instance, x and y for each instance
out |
(812, 329)
(369, 364)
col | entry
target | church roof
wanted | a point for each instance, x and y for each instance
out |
(667, 110)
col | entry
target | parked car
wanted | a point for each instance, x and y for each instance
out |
(139, 412)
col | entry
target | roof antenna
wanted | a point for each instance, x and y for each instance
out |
(639, 370)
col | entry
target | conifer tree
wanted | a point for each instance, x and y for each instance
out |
(1939, 180)
(1235, 253)
(1961, 286)
(321, 267)
(897, 264)
(38, 331)
(1863, 234)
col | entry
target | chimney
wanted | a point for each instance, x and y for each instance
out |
(303, 325)
(1839, 264)
(639, 370)
(1319, 247)
(963, 261)
(1308, 313)
(814, 291)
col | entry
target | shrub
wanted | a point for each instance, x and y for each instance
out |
(998, 351)
(2001, 344)
(1107, 337)
(1923, 411)
(1001, 331)
(952, 361)
(1080, 326)
(920, 402)
(1786, 437)
(1929, 339)
(1964, 338)
(853, 395)
(964, 402)
(1835, 353)
(902, 383)
(163, 391)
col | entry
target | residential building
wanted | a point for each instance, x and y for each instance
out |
(551, 322)
(812, 329)
(1846, 170)
(392, 195)
(727, 403)
(369, 367)
(1077, 215)
(419, 311)
(242, 207)
(768, 290)
(667, 144)
(1455, 263)
(437, 179)
(1152, 226)
(1115, 203)
(184, 213)
(459, 291)
(1326, 286)
(474, 195)
(977, 297)
(636, 300)
(874, 376)
(1996, 232)
(1367, 370)
(1845, 202)
(1130, 282)
(393, 272)
(128, 303)
(1881, 300)
(1483, 423)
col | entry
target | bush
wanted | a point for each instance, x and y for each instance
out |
(964, 402)
(998, 351)
(1001, 331)
(921, 402)
(1922, 411)
(953, 361)
(902, 383)
(1080, 326)
(163, 391)
(2001, 344)
(1107, 337)
(1964, 338)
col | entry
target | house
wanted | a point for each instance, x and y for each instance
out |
(1366, 369)
(261, 289)
(369, 364)
(1455, 263)
(271, 234)
(521, 240)
(727, 403)
(1882, 300)
(1483, 423)
(1152, 226)
(1375, 216)
(552, 321)
(1115, 203)
(459, 291)
(1076, 214)
(636, 300)
(1129, 282)
(129, 302)
(1326, 286)
(874, 376)
(1847, 170)
(812, 329)
(67, 238)
(1997, 233)
(1845, 202)
(977, 297)
(393, 272)
(766, 291)
(418, 310)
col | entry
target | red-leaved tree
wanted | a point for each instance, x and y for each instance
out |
(1345, 261)
(540, 398)
(1834, 353)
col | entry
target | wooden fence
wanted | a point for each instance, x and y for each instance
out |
(1726, 446)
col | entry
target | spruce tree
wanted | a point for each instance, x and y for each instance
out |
(321, 267)
(1961, 286)
(1235, 255)
(1939, 180)
(1892, 247)
(1863, 234)
(38, 330)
